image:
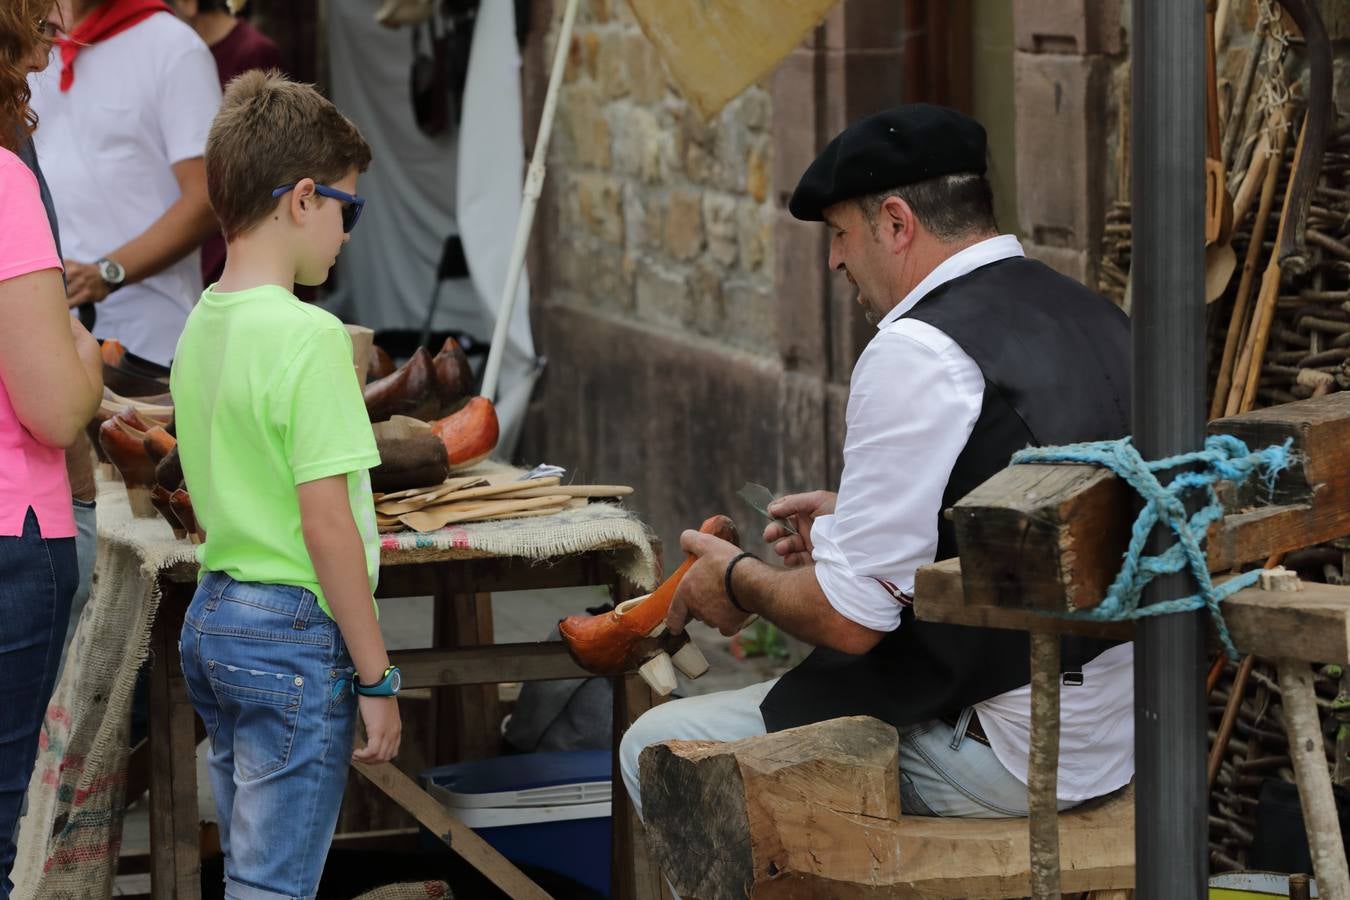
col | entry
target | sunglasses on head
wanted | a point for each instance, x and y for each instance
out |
(351, 211)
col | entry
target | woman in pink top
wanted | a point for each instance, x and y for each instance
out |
(51, 380)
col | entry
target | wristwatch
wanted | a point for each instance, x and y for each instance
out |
(388, 686)
(111, 272)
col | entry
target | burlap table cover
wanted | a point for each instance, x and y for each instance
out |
(70, 838)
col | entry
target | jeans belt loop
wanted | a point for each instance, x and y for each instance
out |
(303, 609)
(962, 726)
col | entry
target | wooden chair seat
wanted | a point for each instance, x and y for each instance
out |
(990, 857)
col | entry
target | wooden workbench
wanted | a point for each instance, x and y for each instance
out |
(463, 665)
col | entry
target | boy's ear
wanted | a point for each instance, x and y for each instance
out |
(301, 200)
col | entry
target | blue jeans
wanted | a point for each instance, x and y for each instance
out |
(268, 672)
(37, 579)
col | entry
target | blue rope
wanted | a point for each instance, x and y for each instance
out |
(1224, 458)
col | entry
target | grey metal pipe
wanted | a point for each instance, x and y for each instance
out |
(1167, 123)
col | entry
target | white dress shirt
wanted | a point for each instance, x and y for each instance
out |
(913, 401)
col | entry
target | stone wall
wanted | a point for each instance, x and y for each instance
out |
(695, 337)
(663, 220)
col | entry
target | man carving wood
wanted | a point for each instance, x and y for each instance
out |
(978, 353)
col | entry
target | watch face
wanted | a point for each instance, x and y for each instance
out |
(111, 271)
(395, 681)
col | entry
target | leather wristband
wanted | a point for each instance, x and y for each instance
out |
(726, 579)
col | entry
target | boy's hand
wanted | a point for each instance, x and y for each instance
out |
(384, 728)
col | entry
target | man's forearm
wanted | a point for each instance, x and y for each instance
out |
(793, 600)
(182, 229)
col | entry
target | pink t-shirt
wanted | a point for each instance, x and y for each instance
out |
(31, 473)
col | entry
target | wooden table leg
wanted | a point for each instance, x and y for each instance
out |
(633, 874)
(175, 864)
(467, 719)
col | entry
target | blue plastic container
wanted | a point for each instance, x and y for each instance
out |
(550, 810)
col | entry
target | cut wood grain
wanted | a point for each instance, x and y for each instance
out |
(813, 812)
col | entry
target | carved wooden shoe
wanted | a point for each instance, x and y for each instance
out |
(381, 364)
(454, 377)
(124, 445)
(411, 391)
(160, 498)
(634, 635)
(470, 433)
(158, 443)
(181, 504)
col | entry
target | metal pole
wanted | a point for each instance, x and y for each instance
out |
(1167, 120)
(1168, 324)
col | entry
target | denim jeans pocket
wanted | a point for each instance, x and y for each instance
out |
(266, 707)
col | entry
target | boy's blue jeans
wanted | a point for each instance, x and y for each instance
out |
(268, 672)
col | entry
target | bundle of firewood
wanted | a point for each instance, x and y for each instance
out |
(480, 498)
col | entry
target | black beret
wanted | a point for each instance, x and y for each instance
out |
(888, 149)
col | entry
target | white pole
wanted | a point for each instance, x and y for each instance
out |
(534, 184)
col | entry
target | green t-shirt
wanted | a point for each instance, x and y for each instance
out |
(265, 399)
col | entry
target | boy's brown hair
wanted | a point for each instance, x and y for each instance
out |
(271, 131)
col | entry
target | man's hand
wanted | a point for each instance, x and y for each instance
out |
(84, 284)
(701, 594)
(384, 728)
(801, 510)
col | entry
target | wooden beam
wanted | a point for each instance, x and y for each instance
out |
(457, 836)
(486, 664)
(1311, 624)
(814, 812)
(1051, 537)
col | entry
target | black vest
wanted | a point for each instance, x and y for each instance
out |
(1055, 358)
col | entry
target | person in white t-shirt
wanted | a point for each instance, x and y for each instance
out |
(124, 109)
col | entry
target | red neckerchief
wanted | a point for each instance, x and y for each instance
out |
(111, 18)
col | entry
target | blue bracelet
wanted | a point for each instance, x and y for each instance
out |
(726, 580)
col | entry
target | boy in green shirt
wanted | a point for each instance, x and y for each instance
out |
(280, 646)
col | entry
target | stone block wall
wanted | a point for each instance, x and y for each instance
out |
(695, 337)
(1069, 57)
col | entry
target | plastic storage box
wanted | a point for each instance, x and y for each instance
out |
(550, 810)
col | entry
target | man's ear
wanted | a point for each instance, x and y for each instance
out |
(896, 223)
(301, 200)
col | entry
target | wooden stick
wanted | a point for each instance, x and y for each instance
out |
(1252, 181)
(1043, 767)
(1238, 113)
(1320, 821)
(1264, 312)
(459, 837)
(1230, 714)
(1237, 325)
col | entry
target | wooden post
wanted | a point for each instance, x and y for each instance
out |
(175, 864)
(1320, 821)
(1043, 766)
(468, 718)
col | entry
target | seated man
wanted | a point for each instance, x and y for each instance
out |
(978, 353)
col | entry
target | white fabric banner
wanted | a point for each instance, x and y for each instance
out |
(387, 272)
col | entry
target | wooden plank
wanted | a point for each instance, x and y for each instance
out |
(419, 573)
(1051, 537)
(939, 597)
(490, 664)
(1312, 624)
(175, 867)
(457, 836)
